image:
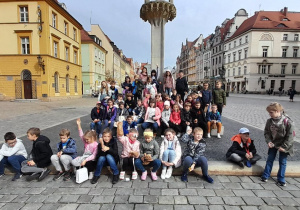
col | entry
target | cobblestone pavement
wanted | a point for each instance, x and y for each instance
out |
(228, 192)
(251, 109)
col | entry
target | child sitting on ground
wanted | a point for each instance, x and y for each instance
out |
(90, 151)
(175, 120)
(131, 150)
(110, 114)
(40, 156)
(159, 102)
(149, 151)
(165, 116)
(186, 116)
(129, 103)
(139, 112)
(199, 119)
(107, 155)
(12, 153)
(152, 116)
(214, 120)
(242, 150)
(279, 134)
(97, 114)
(170, 153)
(119, 100)
(193, 155)
(67, 151)
(122, 113)
(128, 124)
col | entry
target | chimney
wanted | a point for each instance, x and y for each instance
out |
(285, 10)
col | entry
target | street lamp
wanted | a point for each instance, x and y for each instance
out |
(41, 63)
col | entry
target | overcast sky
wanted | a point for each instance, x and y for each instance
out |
(120, 20)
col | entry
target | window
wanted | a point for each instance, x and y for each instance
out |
(283, 69)
(75, 57)
(216, 60)
(67, 53)
(282, 83)
(246, 53)
(25, 46)
(272, 84)
(265, 52)
(234, 57)
(245, 70)
(296, 37)
(239, 71)
(66, 27)
(294, 69)
(233, 72)
(246, 39)
(263, 84)
(219, 59)
(263, 69)
(24, 14)
(220, 48)
(284, 52)
(55, 49)
(213, 61)
(293, 84)
(228, 73)
(68, 83)
(295, 52)
(225, 47)
(285, 37)
(228, 58)
(213, 50)
(56, 81)
(75, 84)
(229, 46)
(74, 34)
(240, 41)
(54, 20)
(234, 44)
(240, 55)
(96, 53)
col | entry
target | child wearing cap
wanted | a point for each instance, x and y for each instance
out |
(243, 150)
(165, 116)
(149, 151)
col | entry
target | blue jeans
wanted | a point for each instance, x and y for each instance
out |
(97, 125)
(201, 162)
(168, 91)
(110, 125)
(168, 156)
(130, 111)
(140, 120)
(155, 164)
(149, 124)
(14, 160)
(269, 164)
(104, 161)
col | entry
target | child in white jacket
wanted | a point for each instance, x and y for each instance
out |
(12, 153)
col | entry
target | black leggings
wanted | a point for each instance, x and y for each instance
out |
(127, 164)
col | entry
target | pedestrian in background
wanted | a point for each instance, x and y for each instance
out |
(291, 93)
(181, 85)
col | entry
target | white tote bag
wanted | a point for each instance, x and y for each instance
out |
(81, 175)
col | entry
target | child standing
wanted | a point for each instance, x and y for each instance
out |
(193, 155)
(149, 151)
(131, 150)
(206, 97)
(127, 86)
(175, 120)
(67, 151)
(242, 150)
(214, 117)
(139, 112)
(154, 79)
(143, 76)
(137, 86)
(90, 151)
(113, 91)
(103, 91)
(40, 156)
(279, 134)
(107, 155)
(150, 88)
(152, 116)
(169, 83)
(219, 96)
(12, 153)
(128, 124)
(170, 153)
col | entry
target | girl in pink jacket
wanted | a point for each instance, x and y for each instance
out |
(175, 119)
(168, 82)
(152, 116)
(143, 75)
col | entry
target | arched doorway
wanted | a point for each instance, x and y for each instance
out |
(27, 84)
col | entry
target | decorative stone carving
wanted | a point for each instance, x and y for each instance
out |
(266, 37)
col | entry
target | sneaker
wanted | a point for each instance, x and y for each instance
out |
(163, 173)
(263, 179)
(122, 175)
(153, 176)
(44, 174)
(34, 176)
(91, 175)
(281, 184)
(208, 135)
(169, 172)
(1, 175)
(208, 179)
(16, 176)
(184, 178)
(218, 136)
(67, 176)
(115, 179)
(134, 175)
(144, 176)
(178, 135)
(241, 164)
(58, 175)
(94, 180)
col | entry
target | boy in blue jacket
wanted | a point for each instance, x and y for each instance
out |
(214, 119)
(128, 124)
(206, 97)
(67, 151)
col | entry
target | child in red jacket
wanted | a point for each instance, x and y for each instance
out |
(175, 119)
(159, 102)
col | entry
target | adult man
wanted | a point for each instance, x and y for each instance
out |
(181, 85)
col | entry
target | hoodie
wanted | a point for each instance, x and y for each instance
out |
(113, 150)
(18, 149)
(151, 148)
(41, 152)
(240, 148)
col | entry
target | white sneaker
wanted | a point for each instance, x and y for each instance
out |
(134, 175)
(163, 173)
(122, 175)
(208, 135)
(169, 172)
(218, 136)
(178, 135)
(91, 175)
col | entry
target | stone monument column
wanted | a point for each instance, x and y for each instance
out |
(158, 13)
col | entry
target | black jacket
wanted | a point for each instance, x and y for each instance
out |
(131, 104)
(101, 115)
(186, 116)
(240, 149)
(113, 150)
(198, 114)
(41, 152)
(181, 85)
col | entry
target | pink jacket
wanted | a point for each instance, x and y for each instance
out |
(168, 83)
(89, 148)
(157, 112)
(175, 117)
(128, 147)
(143, 77)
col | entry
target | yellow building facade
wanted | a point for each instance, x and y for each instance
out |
(40, 52)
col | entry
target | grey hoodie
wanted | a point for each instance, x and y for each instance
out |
(18, 149)
(151, 148)
(165, 116)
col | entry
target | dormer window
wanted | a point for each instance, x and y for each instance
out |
(265, 19)
(285, 19)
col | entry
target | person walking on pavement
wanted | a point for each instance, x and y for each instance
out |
(181, 85)
(291, 93)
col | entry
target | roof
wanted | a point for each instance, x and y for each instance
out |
(225, 29)
(85, 35)
(270, 20)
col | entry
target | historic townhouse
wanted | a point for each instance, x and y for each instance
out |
(40, 52)
(263, 53)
